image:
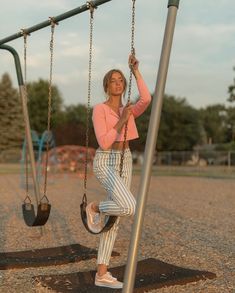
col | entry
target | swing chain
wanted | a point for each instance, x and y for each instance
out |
(132, 49)
(49, 108)
(133, 28)
(130, 82)
(91, 7)
(25, 35)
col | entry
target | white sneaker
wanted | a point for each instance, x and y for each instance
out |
(107, 280)
(93, 219)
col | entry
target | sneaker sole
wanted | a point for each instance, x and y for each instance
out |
(109, 286)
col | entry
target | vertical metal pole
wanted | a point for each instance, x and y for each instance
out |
(29, 142)
(130, 271)
(26, 118)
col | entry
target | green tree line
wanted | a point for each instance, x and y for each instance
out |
(182, 127)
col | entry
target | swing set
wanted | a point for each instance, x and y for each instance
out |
(43, 205)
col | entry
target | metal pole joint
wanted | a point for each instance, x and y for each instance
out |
(173, 3)
(17, 62)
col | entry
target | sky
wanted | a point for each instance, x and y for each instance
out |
(202, 55)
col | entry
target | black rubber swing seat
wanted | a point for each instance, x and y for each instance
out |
(108, 225)
(40, 218)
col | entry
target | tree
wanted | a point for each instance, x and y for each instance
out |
(214, 120)
(76, 114)
(231, 111)
(180, 127)
(11, 116)
(142, 123)
(38, 105)
(231, 90)
(73, 129)
(230, 124)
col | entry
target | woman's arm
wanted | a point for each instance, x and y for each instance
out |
(145, 97)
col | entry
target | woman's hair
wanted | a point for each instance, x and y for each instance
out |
(107, 79)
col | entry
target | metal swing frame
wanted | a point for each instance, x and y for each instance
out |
(43, 209)
(153, 129)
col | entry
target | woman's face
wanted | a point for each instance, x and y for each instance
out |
(116, 85)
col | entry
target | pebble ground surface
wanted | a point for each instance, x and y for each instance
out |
(189, 222)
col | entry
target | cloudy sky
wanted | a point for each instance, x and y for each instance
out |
(202, 57)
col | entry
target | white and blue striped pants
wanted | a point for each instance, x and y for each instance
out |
(120, 201)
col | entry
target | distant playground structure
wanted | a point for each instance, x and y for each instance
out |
(39, 148)
(65, 159)
(70, 159)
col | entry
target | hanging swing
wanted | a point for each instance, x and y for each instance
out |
(110, 219)
(44, 207)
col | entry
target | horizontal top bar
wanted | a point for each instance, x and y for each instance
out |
(58, 18)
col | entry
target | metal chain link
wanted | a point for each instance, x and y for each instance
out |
(130, 83)
(25, 57)
(25, 35)
(53, 23)
(91, 7)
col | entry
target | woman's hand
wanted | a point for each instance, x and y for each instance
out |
(134, 66)
(127, 112)
(133, 63)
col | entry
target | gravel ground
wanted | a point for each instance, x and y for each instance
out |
(193, 228)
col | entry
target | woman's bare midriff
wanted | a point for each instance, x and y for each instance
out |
(118, 145)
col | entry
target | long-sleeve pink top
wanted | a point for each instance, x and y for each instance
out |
(105, 119)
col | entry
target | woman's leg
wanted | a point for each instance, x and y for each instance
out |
(107, 240)
(120, 200)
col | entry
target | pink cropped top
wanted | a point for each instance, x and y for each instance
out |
(104, 119)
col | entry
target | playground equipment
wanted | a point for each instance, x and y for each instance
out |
(44, 164)
(36, 143)
(39, 148)
(151, 141)
(152, 130)
(70, 159)
(43, 207)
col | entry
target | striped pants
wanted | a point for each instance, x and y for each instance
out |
(120, 201)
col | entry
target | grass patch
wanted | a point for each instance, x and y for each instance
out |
(215, 172)
(9, 169)
(205, 172)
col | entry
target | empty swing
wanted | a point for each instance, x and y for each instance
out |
(44, 207)
(110, 219)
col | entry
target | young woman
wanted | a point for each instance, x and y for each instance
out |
(109, 119)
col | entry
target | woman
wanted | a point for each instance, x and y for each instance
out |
(109, 119)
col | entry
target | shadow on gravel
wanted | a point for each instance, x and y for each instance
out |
(47, 256)
(151, 274)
